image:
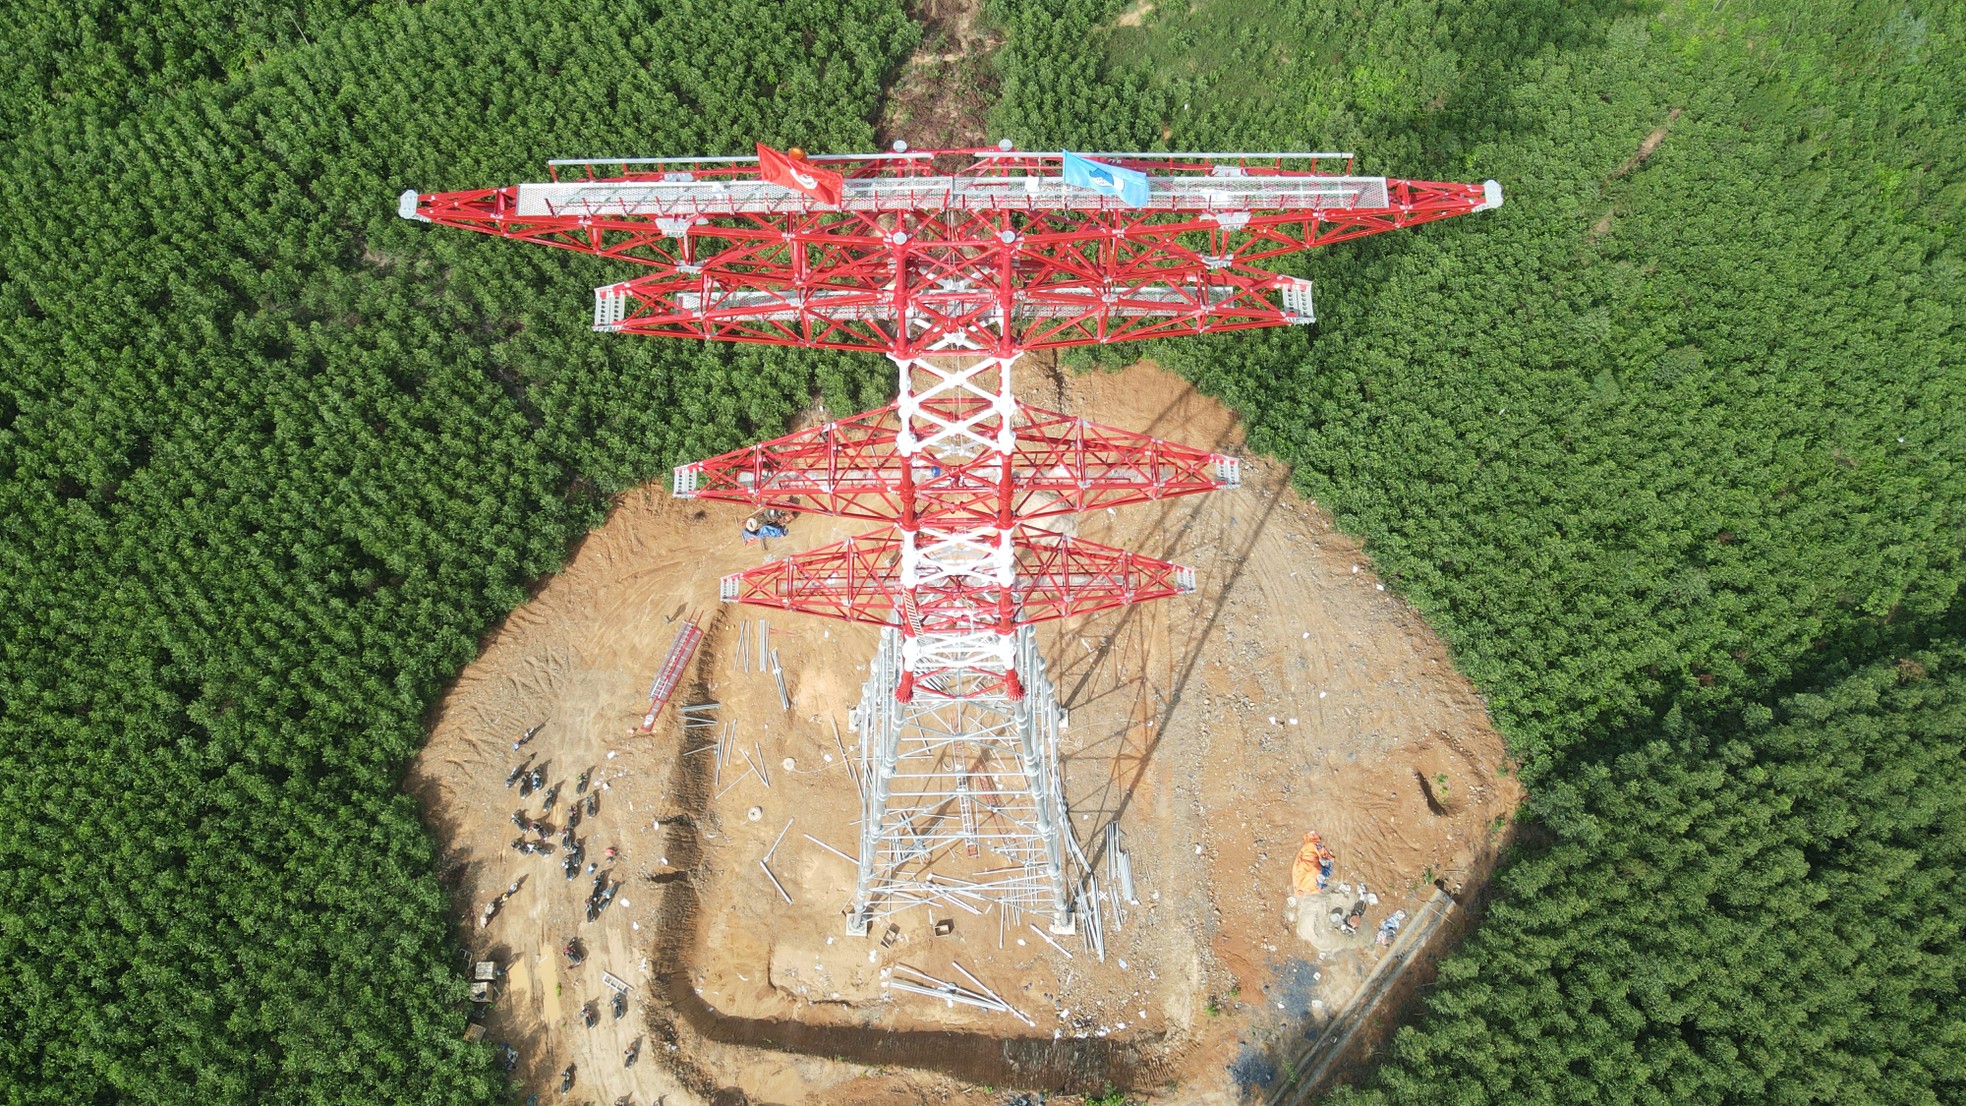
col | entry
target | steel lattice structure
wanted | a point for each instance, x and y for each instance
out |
(954, 263)
(973, 779)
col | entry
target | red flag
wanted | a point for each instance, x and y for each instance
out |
(800, 175)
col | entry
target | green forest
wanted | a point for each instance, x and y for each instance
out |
(1671, 450)
(276, 461)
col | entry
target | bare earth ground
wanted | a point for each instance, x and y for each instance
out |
(945, 88)
(1291, 693)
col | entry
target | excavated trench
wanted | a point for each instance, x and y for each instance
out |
(681, 1018)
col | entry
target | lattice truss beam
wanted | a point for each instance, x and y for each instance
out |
(860, 580)
(966, 476)
(1061, 465)
(997, 255)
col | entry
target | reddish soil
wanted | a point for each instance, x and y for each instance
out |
(1291, 693)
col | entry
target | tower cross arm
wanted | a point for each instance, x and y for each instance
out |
(1056, 577)
(1061, 464)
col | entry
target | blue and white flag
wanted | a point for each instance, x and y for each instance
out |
(1129, 186)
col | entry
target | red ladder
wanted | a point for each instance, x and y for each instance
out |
(680, 651)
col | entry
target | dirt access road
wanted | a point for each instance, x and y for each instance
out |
(1291, 693)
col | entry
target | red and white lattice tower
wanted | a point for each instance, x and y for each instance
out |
(954, 263)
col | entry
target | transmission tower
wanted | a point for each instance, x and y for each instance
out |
(954, 263)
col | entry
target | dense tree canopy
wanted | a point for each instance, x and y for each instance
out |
(1670, 449)
(1758, 911)
(275, 460)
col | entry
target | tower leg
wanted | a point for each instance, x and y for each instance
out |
(1037, 750)
(880, 731)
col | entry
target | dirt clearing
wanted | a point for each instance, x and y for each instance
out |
(1291, 693)
(946, 87)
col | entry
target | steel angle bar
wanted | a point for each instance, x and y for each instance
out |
(948, 995)
(1047, 940)
(733, 784)
(918, 973)
(780, 838)
(981, 986)
(774, 880)
(827, 847)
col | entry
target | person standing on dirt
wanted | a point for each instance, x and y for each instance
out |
(528, 736)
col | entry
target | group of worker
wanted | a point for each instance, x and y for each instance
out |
(765, 524)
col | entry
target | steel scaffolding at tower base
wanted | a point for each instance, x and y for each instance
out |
(966, 806)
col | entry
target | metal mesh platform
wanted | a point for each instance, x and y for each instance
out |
(612, 303)
(687, 195)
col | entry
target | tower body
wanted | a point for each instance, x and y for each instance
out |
(954, 263)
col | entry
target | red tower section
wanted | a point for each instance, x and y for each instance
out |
(998, 256)
(979, 254)
(953, 263)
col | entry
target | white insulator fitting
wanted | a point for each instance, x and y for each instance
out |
(1004, 559)
(911, 560)
(1006, 649)
(911, 651)
(899, 237)
(1006, 439)
(900, 147)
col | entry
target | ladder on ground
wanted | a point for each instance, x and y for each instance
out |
(970, 847)
(680, 652)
